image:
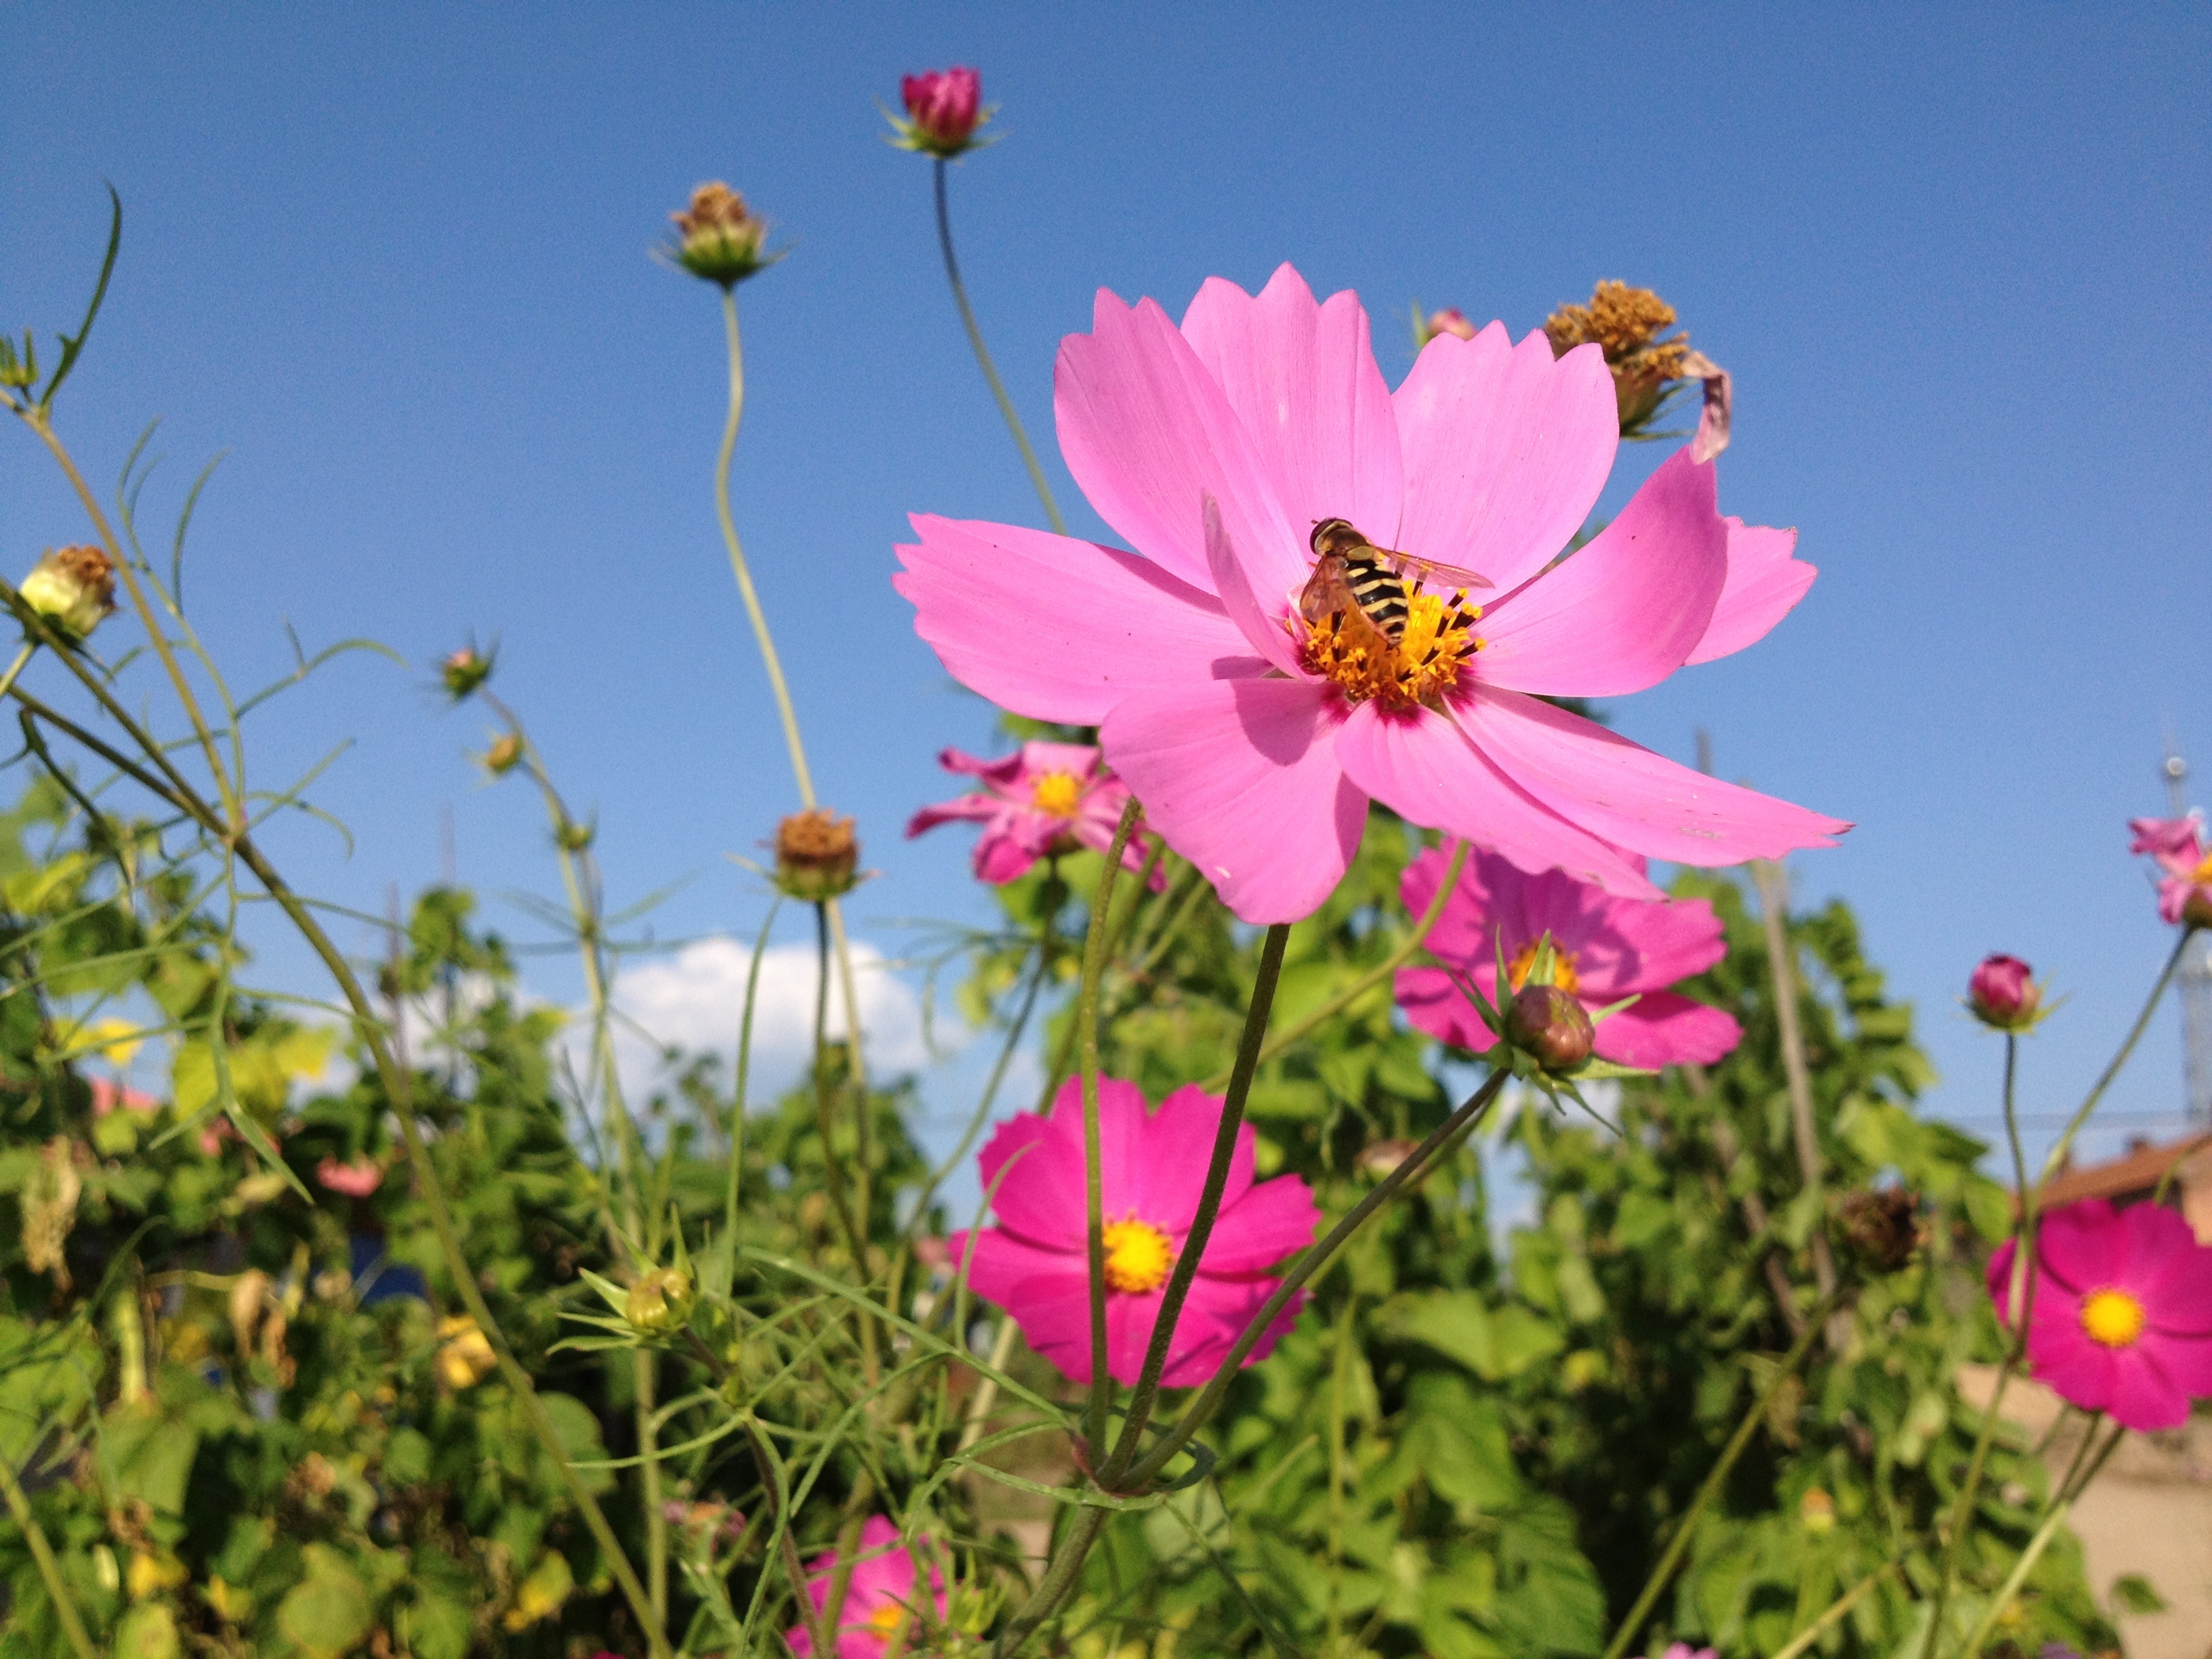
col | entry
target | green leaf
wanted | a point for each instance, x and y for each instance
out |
(1494, 1345)
(328, 1613)
(2132, 1593)
(151, 1456)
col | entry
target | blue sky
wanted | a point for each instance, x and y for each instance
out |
(394, 261)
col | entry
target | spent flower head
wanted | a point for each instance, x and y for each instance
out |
(1629, 325)
(817, 856)
(2003, 995)
(944, 110)
(1883, 1226)
(718, 239)
(72, 588)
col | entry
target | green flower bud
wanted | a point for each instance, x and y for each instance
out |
(661, 1302)
(1546, 1023)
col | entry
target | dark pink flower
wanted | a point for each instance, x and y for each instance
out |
(1044, 798)
(2003, 992)
(2122, 1320)
(108, 1097)
(1255, 739)
(879, 1596)
(2184, 891)
(358, 1179)
(1605, 948)
(943, 108)
(1152, 1165)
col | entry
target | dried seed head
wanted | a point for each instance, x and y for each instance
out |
(718, 239)
(72, 587)
(816, 854)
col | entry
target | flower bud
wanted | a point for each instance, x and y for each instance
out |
(661, 1302)
(718, 238)
(71, 587)
(2003, 995)
(504, 755)
(816, 855)
(1882, 1228)
(1451, 320)
(463, 671)
(574, 837)
(1545, 1022)
(943, 108)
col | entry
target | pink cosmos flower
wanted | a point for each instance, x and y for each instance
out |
(2185, 893)
(108, 1097)
(1605, 948)
(943, 108)
(1255, 739)
(2122, 1320)
(1033, 1263)
(1044, 798)
(878, 1596)
(355, 1180)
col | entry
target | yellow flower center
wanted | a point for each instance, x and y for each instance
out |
(886, 1618)
(2203, 872)
(1138, 1256)
(1424, 663)
(2113, 1318)
(1562, 969)
(1057, 793)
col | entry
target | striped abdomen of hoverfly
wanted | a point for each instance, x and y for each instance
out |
(1379, 591)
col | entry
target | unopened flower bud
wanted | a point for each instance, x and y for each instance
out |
(463, 671)
(1818, 1511)
(575, 837)
(1451, 320)
(2002, 994)
(661, 1302)
(718, 238)
(71, 587)
(504, 755)
(943, 108)
(816, 855)
(1882, 1228)
(1547, 1022)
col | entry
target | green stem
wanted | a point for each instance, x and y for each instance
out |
(1094, 1201)
(1209, 1203)
(983, 359)
(42, 1553)
(745, 1067)
(1679, 1543)
(1835, 1613)
(2061, 1505)
(769, 660)
(2065, 1143)
(22, 657)
(1058, 1578)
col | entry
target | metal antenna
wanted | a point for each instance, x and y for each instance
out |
(2194, 979)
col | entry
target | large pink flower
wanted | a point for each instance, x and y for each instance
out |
(2177, 846)
(2122, 1320)
(879, 1595)
(1152, 1166)
(1606, 949)
(1044, 798)
(1255, 741)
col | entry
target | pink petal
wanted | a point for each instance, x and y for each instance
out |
(1123, 1122)
(1609, 786)
(2185, 1361)
(1663, 1027)
(1032, 1197)
(1626, 610)
(1262, 625)
(1056, 629)
(2177, 1291)
(1505, 451)
(1424, 769)
(1303, 380)
(999, 1263)
(1435, 1004)
(1172, 1160)
(2080, 1246)
(1148, 433)
(962, 809)
(1053, 1312)
(1239, 776)
(1079, 760)
(1272, 1220)
(1765, 583)
(2142, 1395)
(1647, 947)
(1004, 855)
(1216, 1315)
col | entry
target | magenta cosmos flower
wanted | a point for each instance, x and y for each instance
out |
(2185, 890)
(879, 1598)
(1152, 1165)
(1604, 949)
(2122, 1320)
(1255, 740)
(1044, 798)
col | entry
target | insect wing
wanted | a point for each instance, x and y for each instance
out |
(1432, 572)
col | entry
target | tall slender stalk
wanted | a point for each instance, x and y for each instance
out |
(50, 1570)
(1774, 882)
(2084, 1470)
(2064, 1144)
(1094, 1201)
(743, 1075)
(983, 358)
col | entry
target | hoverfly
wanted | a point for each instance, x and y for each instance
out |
(1352, 578)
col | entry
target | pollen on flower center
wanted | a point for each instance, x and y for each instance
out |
(1562, 969)
(1423, 664)
(2113, 1317)
(886, 1618)
(1058, 793)
(1138, 1256)
(2203, 871)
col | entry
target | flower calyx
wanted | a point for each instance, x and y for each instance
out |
(661, 1302)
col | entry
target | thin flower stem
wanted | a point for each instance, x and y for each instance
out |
(1633, 1626)
(2061, 1505)
(1774, 882)
(1058, 1578)
(42, 1553)
(1094, 1202)
(744, 1069)
(14, 668)
(769, 660)
(1209, 1203)
(1835, 1613)
(2056, 1160)
(1399, 955)
(1310, 1265)
(856, 1070)
(983, 359)
(825, 1120)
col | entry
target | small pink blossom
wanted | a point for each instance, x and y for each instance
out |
(108, 1097)
(2003, 994)
(1449, 321)
(1684, 1650)
(1152, 1166)
(878, 1596)
(943, 108)
(2184, 891)
(1256, 738)
(1605, 948)
(2122, 1320)
(1044, 799)
(358, 1179)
